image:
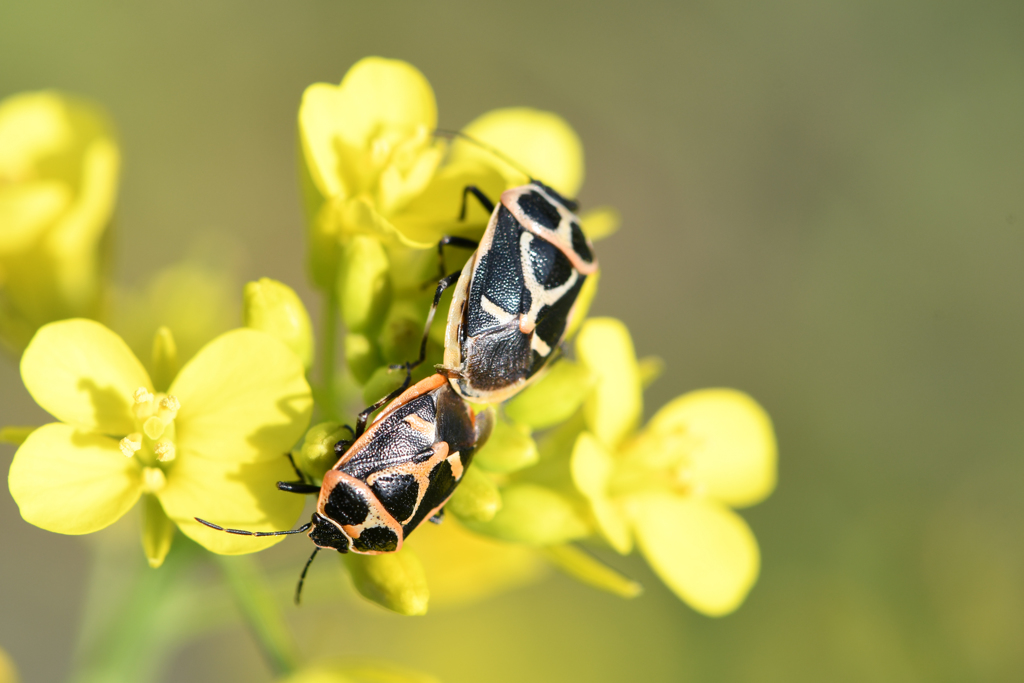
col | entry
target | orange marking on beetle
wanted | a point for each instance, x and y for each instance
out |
(420, 471)
(419, 424)
(455, 460)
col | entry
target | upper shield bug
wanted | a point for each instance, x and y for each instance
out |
(516, 295)
(397, 472)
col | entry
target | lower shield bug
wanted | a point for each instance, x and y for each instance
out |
(397, 472)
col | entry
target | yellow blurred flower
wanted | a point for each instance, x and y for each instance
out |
(349, 671)
(8, 674)
(669, 487)
(211, 447)
(372, 163)
(58, 181)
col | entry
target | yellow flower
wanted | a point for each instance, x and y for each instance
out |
(8, 674)
(357, 671)
(58, 181)
(212, 447)
(671, 486)
(372, 164)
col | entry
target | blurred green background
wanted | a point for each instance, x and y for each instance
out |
(823, 206)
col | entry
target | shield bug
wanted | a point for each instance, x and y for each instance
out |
(397, 472)
(516, 295)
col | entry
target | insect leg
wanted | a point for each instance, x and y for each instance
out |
(365, 415)
(444, 284)
(297, 487)
(450, 241)
(480, 196)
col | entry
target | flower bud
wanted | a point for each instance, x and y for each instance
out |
(165, 358)
(317, 454)
(477, 498)
(362, 355)
(509, 448)
(394, 580)
(275, 308)
(402, 332)
(535, 515)
(553, 399)
(364, 286)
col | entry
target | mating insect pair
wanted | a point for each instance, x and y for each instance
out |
(512, 303)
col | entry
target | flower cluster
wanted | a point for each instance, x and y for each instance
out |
(568, 464)
(381, 190)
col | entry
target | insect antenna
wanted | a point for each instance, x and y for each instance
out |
(302, 576)
(455, 134)
(302, 529)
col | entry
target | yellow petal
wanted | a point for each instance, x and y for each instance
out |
(591, 467)
(244, 398)
(613, 409)
(379, 99)
(233, 495)
(274, 307)
(72, 482)
(435, 212)
(83, 374)
(703, 551)
(26, 210)
(541, 143)
(600, 222)
(729, 443)
(8, 674)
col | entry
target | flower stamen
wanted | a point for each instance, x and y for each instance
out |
(143, 403)
(165, 451)
(169, 407)
(131, 444)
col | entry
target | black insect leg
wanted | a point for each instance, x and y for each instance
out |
(438, 518)
(480, 196)
(297, 487)
(298, 472)
(365, 415)
(302, 485)
(444, 284)
(450, 241)
(302, 577)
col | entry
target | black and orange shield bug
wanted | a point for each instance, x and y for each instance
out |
(397, 472)
(516, 296)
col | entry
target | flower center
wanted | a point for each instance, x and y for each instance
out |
(153, 441)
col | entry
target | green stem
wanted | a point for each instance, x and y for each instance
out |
(124, 633)
(328, 350)
(256, 603)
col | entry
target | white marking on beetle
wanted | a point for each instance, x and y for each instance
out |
(496, 311)
(539, 296)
